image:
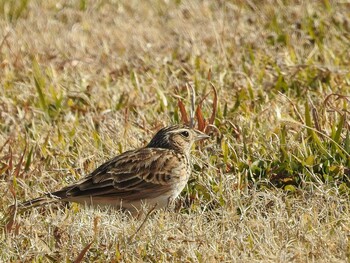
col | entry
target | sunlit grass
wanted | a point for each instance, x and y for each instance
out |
(84, 81)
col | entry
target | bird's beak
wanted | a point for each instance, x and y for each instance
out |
(200, 136)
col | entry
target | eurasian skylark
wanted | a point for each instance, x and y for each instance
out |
(154, 175)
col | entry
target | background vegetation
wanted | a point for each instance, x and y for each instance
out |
(82, 81)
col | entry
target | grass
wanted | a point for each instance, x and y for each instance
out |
(82, 81)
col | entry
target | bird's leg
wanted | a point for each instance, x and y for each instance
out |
(171, 204)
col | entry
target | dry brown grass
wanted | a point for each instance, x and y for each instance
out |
(81, 82)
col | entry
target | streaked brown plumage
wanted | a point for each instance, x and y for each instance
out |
(155, 174)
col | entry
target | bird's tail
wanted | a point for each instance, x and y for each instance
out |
(40, 201)
(43, 200)
(24, 206)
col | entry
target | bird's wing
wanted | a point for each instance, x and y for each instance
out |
(133, 175)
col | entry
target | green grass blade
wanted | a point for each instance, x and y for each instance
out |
(39, 84)
(339, 129)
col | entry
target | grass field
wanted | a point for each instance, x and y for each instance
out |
(82, 81)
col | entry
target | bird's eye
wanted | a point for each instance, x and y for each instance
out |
(185, 134)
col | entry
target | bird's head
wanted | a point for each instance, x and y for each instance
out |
(178, 138)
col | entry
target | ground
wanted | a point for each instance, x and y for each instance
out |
(82, 81)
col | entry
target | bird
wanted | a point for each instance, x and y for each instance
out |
(153, 175)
